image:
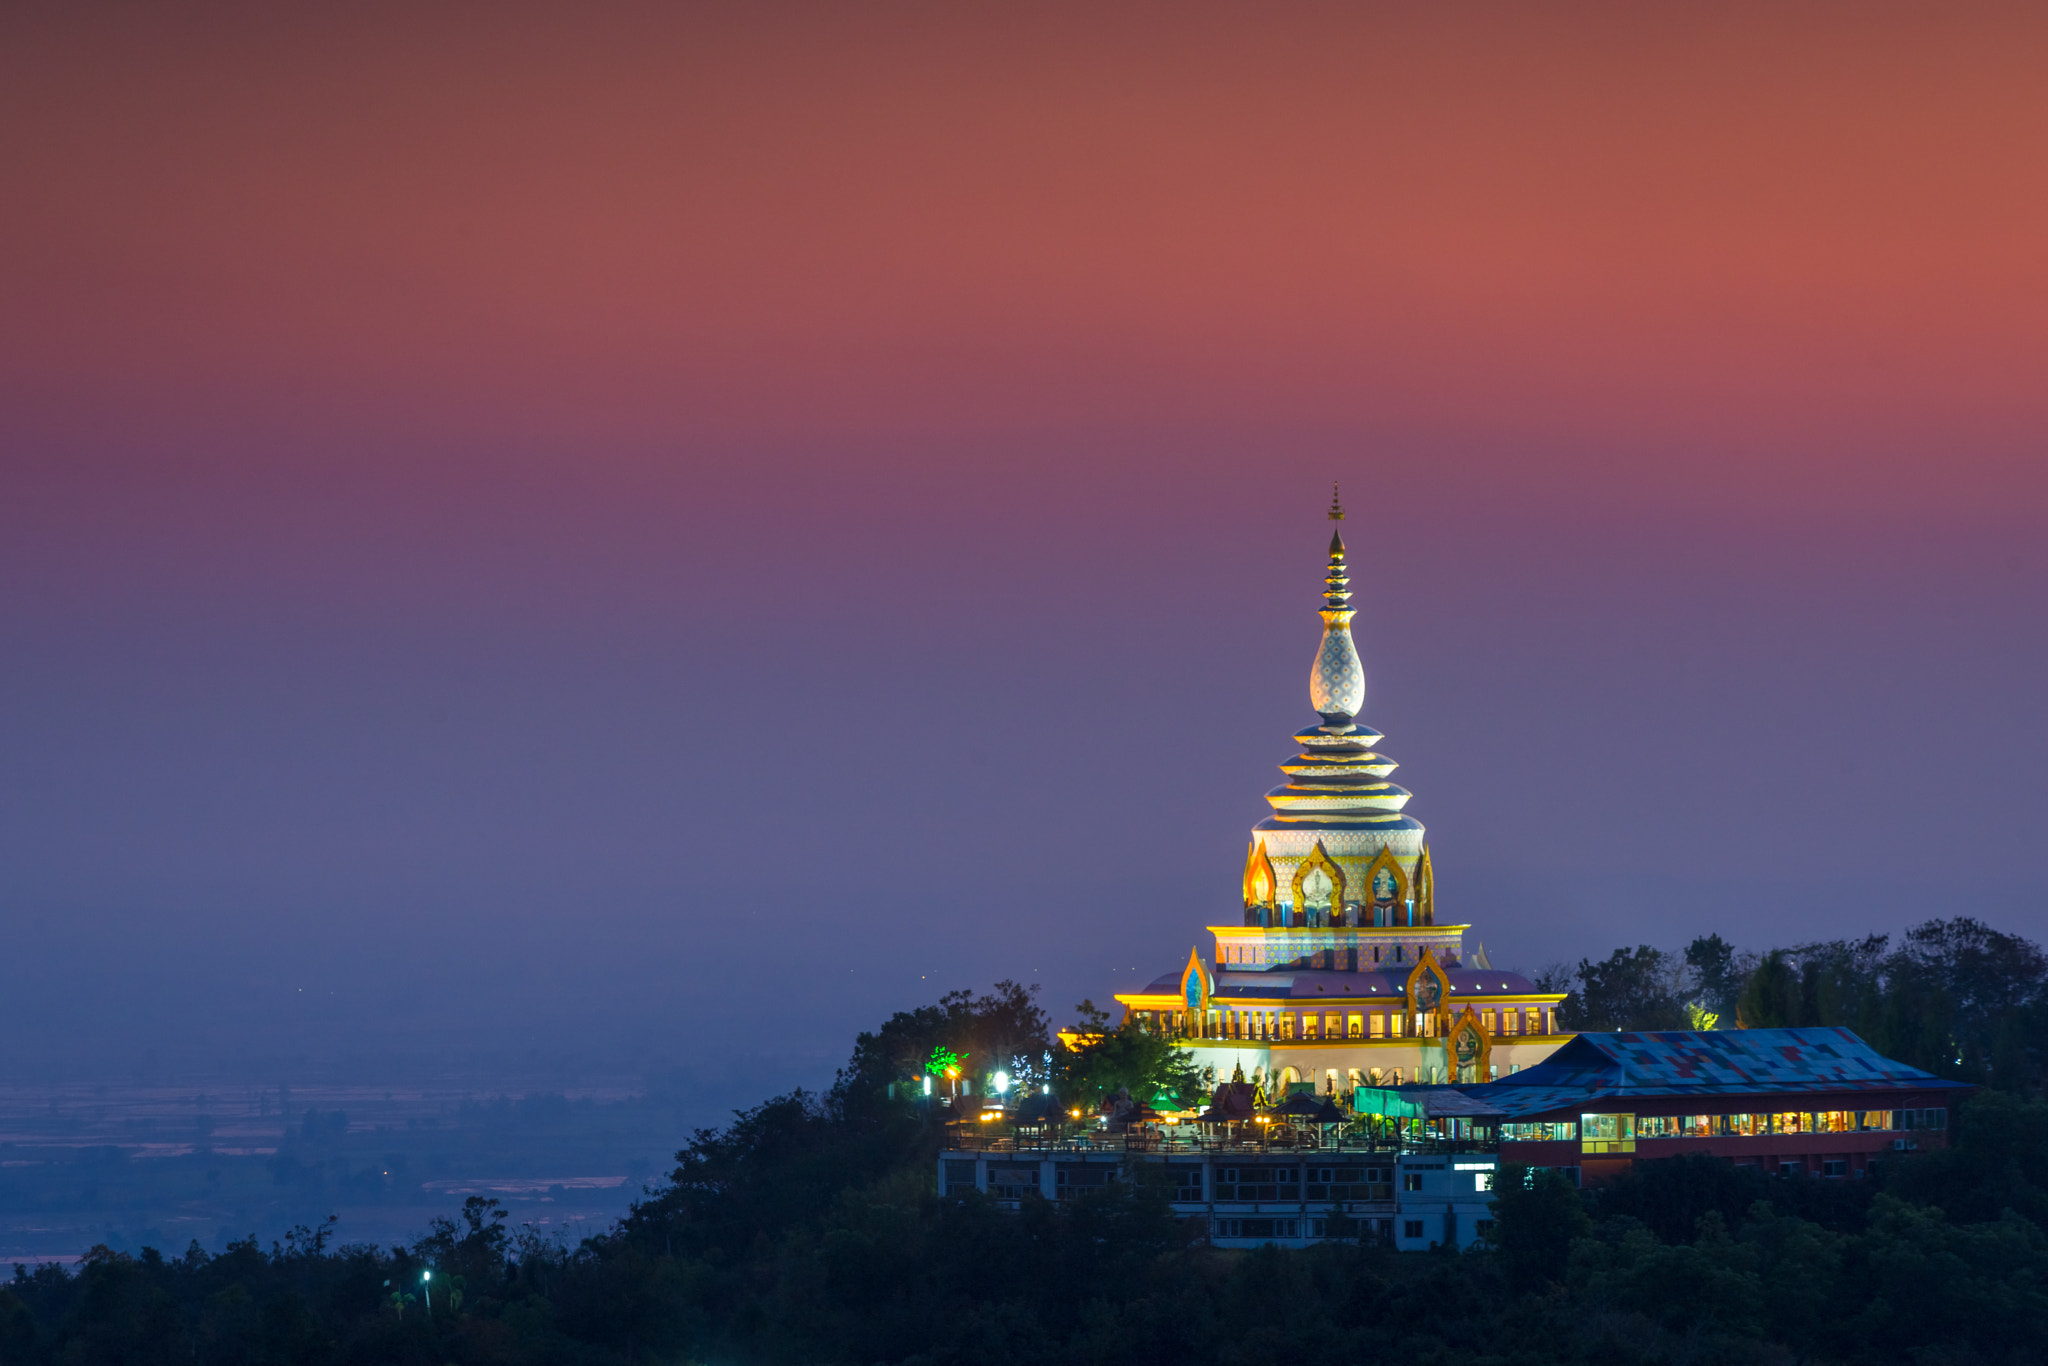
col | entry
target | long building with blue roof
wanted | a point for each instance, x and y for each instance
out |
(1790, 1102)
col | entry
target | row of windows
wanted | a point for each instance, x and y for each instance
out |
(1347, 915)
(1413, 1228)
(1012, 1183)
(1285, 1183)
(1232, 1183)
(1261, 1228)
(1349, 1175)
(1787, 1122)
(1286, 1025)
(1258, 1183)
(1625, 1128)
(1247, 1184)
(1348, 959)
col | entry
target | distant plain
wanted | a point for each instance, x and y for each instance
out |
(166, 1166)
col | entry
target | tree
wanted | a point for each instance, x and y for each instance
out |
(1005, 1030)
(1536, 1215)
(1770, 996)
(469, 1249)
(1990, 988)
(1630, 989)
(1717, 974)
(1956, 998)
(1127, 1057)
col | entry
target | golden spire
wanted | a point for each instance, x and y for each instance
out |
(1337, 597)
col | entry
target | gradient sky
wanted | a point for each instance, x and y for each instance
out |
(659, 534)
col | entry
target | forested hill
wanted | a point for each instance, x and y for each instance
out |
(808, 1231)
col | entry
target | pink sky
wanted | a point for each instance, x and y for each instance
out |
(447, 451)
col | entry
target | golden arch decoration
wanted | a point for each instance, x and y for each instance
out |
(1385, 861)
(1469, 1047)
(1319, 857)
(1197, 984)
(1425, 889)
(1429, 989)
(1260, 885)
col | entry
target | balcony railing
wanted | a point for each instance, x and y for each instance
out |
(966, 1139)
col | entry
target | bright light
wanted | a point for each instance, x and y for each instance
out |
(1002, 1081)
(1044, 1090)
(927, 1084)
(426, 1275)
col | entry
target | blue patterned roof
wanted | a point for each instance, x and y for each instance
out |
(1706, 1063)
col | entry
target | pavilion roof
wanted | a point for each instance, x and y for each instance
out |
(1706, 1063)
(1234, 1103)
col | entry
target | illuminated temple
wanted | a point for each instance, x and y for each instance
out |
(1430, 1068)
(1340, 974)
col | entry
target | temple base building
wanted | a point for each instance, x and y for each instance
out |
(1340, 976)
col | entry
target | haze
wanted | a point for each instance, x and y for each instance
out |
(608, 540)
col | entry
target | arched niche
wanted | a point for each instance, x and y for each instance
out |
(1196, 985)
(1318, 888)
(1425, 889)
(1386, 889)
(1469, 1047)
(1261, 888)
(1429, 990)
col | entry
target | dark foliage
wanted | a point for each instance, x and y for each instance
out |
(1111, 1058)
(1635, 988)
(1956, 998)
(809, 1231)
(1953, 997)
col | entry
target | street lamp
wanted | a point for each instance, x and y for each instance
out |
(427, 1290)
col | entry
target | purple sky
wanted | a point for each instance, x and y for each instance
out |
(657, 540)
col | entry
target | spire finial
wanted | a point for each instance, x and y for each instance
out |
(1337, 686)
(1339, 582)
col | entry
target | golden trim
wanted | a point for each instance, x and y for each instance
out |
(1384, 931)
(1206, 988)
(1442, 1009)
(1319, 857)
(1468, 1022)
(1368, 904)
(1261, 887)
(1425, 889)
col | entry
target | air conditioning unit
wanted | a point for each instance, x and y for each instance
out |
(1904, 1145)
